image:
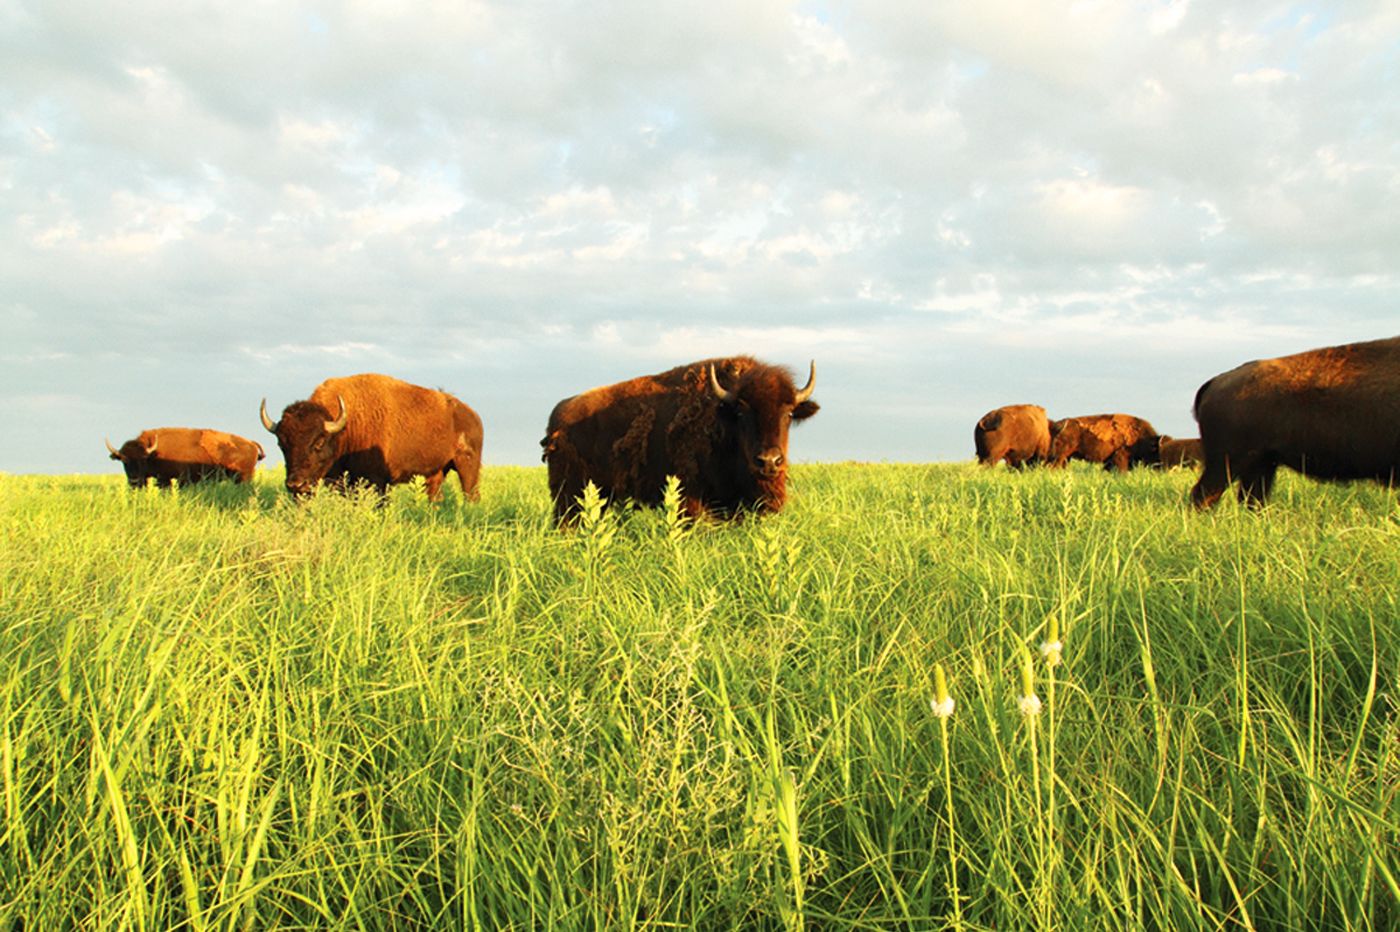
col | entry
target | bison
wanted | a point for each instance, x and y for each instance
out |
(1019, 434)
(1167, 452)
(188, 454)
(1331, 413)
(1185, 453)
(1098, 438)
(378, 430)
(719, 425)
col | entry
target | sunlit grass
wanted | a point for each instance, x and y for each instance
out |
(223, 709)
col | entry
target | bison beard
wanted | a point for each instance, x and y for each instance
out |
(1331, 413)
(719, 425)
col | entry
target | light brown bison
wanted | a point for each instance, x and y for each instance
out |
(1173, 453)
(189, 454)
(1019, 434)
(719, 425)
(378, 430)
(1166, 452)
(1330, 413)
(1098, 438)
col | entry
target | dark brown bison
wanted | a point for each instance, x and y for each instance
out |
(1330, 413)
(378, 430)
(188, 454)
(718, 425)
(1098, 438)
(1019, 434)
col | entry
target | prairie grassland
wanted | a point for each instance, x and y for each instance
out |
(221, 709)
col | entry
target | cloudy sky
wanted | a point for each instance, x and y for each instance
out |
(949, 206)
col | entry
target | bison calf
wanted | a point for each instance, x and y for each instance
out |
(719, 425)
(1330, 413)
(189, 454)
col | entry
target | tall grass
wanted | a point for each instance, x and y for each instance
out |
(219, 709)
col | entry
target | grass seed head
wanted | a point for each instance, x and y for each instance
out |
(1029, 702)
(942, 703)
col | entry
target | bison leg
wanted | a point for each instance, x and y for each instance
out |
(1118, 460)
(468, 474)
(1215, 479)
(1256, 482)
(433, 485)
(566, 495)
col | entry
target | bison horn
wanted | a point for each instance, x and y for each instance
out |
(267, 421)
(720, 393)
(336, 426)
(151, 450)
(806, 391)
(111, 449)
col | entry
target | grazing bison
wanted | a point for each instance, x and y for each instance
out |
(378, 430)
(1330, 413)
(188, 454)
(1165, 452)
(1172, 453)
(1098, 438)
(1019, 434)
(719, 425)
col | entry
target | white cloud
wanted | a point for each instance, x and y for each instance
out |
(268, 194)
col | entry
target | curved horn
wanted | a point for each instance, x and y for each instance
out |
(267, 421)
(111, 449)
(718, 389)
(336, 426)
(806, 390)
(151, 450)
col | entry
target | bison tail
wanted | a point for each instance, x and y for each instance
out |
(261, 454)
(1200, 393)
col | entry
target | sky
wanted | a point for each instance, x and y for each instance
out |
(1093, 206)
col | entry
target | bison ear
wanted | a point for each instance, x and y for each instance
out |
(805, 410)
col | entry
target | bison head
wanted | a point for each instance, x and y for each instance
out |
(310, 441)
(135, 458)
(1064, 439)
(758, 409)
(1147, 451)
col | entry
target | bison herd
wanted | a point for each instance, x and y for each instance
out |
(1331, 413)
(721, 427)
(1024, 435)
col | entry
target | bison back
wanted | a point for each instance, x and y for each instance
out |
(1332, 413)
(394, 427)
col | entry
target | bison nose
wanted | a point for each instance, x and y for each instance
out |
(298, 487)
(770, 462)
